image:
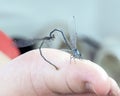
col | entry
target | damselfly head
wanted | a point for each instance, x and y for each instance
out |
(76, 53)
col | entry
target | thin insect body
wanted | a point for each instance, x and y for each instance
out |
(47, 38)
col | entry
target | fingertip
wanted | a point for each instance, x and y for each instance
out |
(114, 90)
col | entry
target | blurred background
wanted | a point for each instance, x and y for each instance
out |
(97, 26)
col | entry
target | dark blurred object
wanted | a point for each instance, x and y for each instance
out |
(23, 49)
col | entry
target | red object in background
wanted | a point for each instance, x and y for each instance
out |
(7, 46)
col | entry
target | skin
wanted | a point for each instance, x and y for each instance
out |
(30, 75)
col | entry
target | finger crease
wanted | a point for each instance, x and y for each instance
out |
(33, 85)
(68, 85)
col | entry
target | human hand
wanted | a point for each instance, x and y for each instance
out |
(30, 75)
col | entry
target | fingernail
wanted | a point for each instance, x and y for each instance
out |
(89, 87)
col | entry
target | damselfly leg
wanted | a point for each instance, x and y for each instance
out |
(44, 57)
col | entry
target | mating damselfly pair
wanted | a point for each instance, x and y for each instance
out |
(71, 46)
